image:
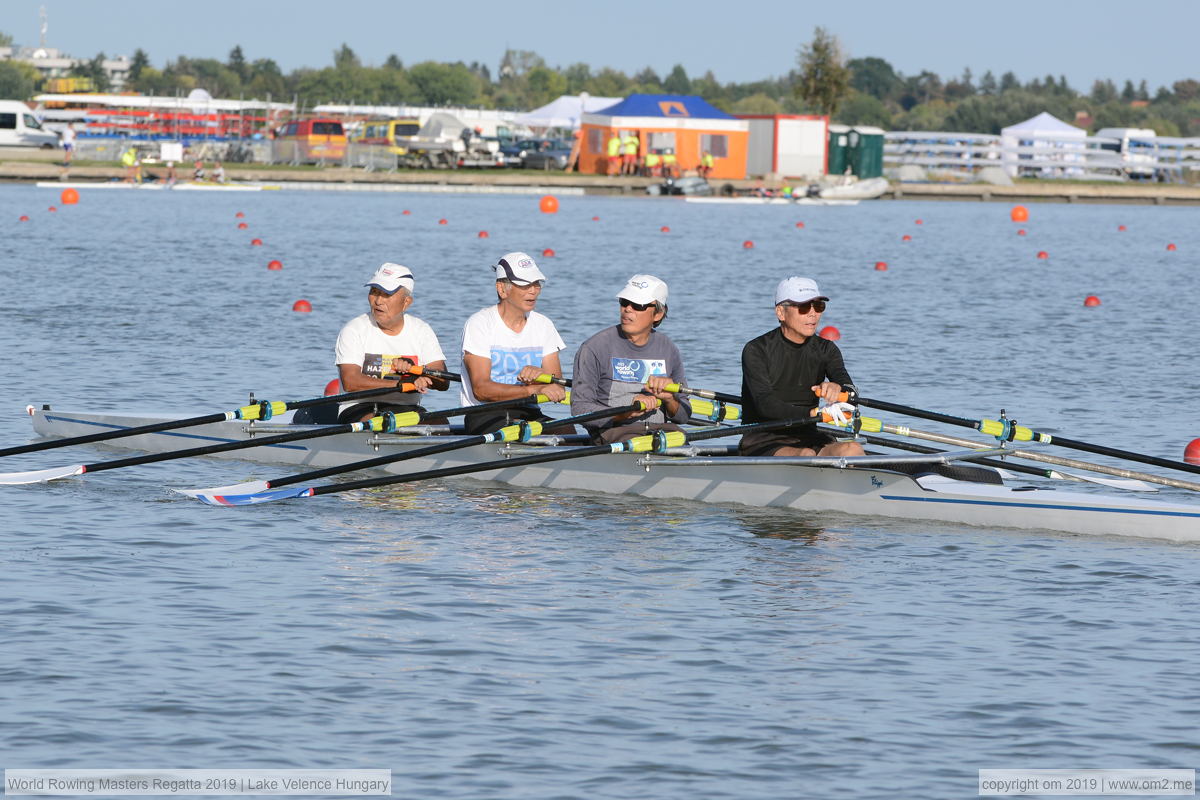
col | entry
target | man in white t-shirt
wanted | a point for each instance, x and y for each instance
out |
(506, 346)
(384, 341)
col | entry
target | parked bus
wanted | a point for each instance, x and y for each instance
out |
(309, 141)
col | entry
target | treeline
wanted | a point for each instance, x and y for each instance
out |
(870, 91)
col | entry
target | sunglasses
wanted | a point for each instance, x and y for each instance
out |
(804, 308)
(635, 306)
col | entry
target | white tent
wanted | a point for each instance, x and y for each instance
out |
(566, 111)
(1044, 144)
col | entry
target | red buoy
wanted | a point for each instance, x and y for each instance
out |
(799, 224)
(831, 333)
(406, 212)
(665, 229)
(906, 238)
(274, 264)
(920, 222)
(1191, 453)
(24, 218)
(880, 266)
(242, 226)
(1043, 254)
(595, 219)
(483, 234)
(239, 215)
(333, 387)
(1171, 247)
(1120, 227)
(52, 208)
(548, 252)
(1091, 301)
(1020, 232)
(302, 306)
(443, 221)
(69, 197)
(256, 242)
(1019, 214)
(748, 245)
(548, 204)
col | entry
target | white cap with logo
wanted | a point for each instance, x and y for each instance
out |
(643, 290)
(797, 290)
(390, 277)
(518, 268)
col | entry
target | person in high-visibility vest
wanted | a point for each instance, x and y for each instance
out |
(670, 165)
(629, 150)
(652, 164)
(706, 164)
(132, 166)
(614, 154)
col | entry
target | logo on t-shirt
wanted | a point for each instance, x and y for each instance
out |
(637, 370)
(507, 362)
(373, 363)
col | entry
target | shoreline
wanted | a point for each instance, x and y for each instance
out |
(500, 181)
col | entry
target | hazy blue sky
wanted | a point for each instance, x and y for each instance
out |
(740, 41)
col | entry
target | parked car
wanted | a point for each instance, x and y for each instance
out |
(514, 151)
(550, 154)
(19, 127)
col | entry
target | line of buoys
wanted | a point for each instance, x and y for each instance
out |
(830, 333)
(483, 234)
(549, 253)
(256, 242)
(242, 226)
(302, 306)
(919, 222)
(1043, 254)
(595, 219)
(1020, 231)
(1171, 247)
(52, 208)
(748, 245)
(69, 196)
(1091, 301)
(1120, 227)
(881, 266)
(406, 212)
(1191, 453)
(1019, 214)
(665, 229)
(548, 204)
(274, 264)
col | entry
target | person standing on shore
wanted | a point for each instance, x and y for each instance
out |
(629, 151)
(68, 144)
(614, 153)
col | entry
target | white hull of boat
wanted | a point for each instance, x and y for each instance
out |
(772, 201)
(179, 186)
(806, 488)
(867, 189)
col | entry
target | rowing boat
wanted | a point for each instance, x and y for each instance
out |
(178, 186)
(865, 486)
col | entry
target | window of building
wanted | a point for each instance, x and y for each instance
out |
(596, 140)
(661, 140)
(717, 144)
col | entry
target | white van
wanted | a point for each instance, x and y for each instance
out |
(20, 128)
(1135, 146)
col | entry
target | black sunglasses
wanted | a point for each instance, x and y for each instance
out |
(635, 306)
(804, 308)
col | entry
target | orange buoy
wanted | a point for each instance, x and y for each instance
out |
(799, 224)
(24, 218)
(906, 238)
(52, 208)
(1091, 301)
(242, 226)
(406, 212)
(239, 215)
(483, 234)
(920, 222)
(256, 242)
(302, 306)
(274, 264)
(595, 219)
(665, 229)
(1191, 453)
(1171, 248)
(831, 333)
(748, 245)
(1019, 214)
(548, 252)
(1120, 227)
(69, 197)
(443, 221)
(333, 387)
(880, 266)
(548, 204)
(1020, 232)
(1043, 254)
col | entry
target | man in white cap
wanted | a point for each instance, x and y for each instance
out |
(785, 372)
(507, 345)
(631, 360)
(385, 341)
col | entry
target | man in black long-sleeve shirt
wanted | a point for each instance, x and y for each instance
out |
(786, 371)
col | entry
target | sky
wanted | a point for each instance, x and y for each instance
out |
(739, 41)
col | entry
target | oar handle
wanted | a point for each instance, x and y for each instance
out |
(419, 369)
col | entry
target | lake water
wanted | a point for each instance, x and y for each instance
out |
(483, 641)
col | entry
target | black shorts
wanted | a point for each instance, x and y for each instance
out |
(357, 411)
(489, 421)
(767, 442)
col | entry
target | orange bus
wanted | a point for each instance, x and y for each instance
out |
(309, 141)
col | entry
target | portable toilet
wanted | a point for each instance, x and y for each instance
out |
(839, 149)
(865, 151)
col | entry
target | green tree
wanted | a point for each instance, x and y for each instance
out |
(266, 80)
(6, 39)
(648, 81)
(443, 84)
(824, 77)
(609, 83)
(1009, 82)
(237, 63)
(678, 81)
(578, 76)
(875, 77)
(544, 85)
(757, 104)
(16, 82)
(140, 61)
(1186, 90)
(861, 108)
(345, 58)
(94, 69)
(987, 84)
(1103, 92)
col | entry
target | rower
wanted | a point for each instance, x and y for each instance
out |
(785, 374)
(387, 340)
(631, 361)
(507, 345)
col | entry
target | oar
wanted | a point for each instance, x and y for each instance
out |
(700, 408)
(383, 422)
(640, 444)
(243, 494)
(1009, 431)
(263, 410)
(872, 425)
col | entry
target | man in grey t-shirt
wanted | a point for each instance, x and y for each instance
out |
(631, 360)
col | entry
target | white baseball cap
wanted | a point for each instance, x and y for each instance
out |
(518, 268)
(643, 290)
(797, 290)
(390, 277)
